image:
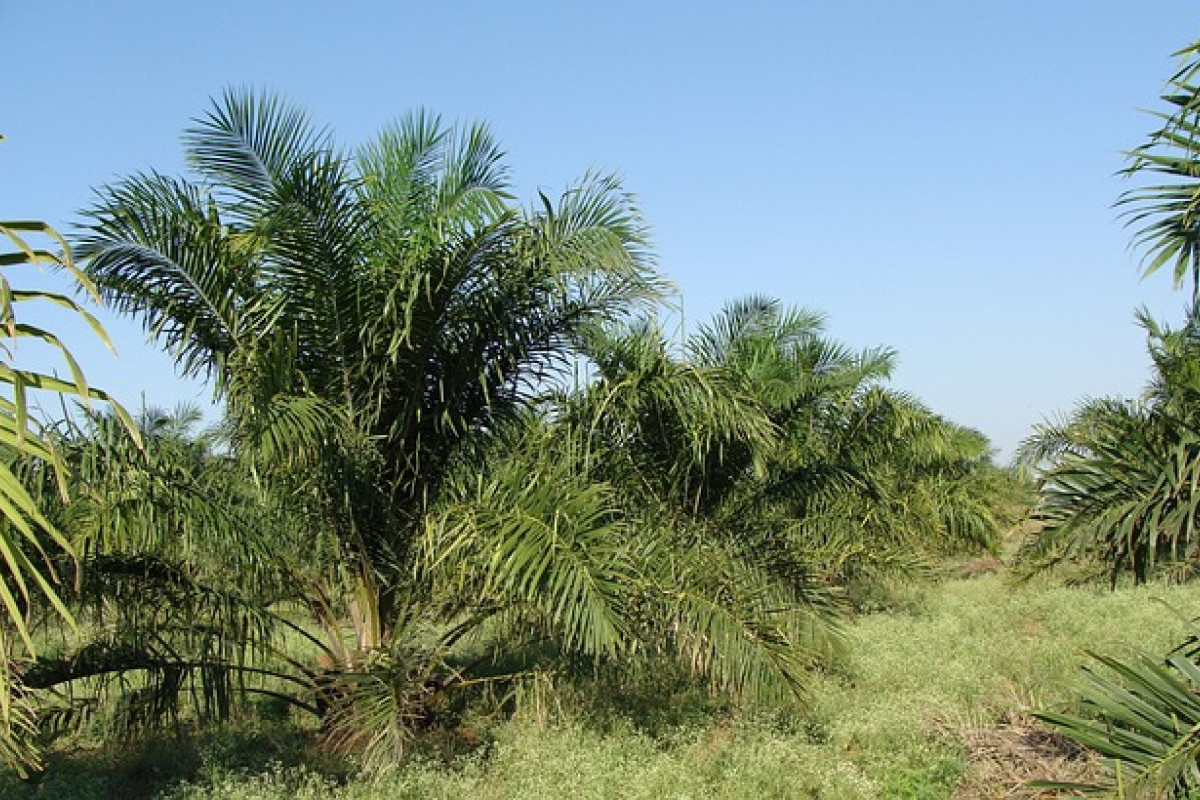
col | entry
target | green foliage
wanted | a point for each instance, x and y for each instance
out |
(1119, 477)
(377, 311)
(1166, 215)
(29, 542)
(177, 582)
(378, 326)
(537, 542)
(1143, 716)
(402, 478)
(803, 456)
(554, 551)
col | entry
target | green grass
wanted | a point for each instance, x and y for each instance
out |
(893, 721)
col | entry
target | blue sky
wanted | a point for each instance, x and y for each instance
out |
(936, 176)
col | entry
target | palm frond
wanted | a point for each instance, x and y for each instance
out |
(1166, 217)
(158, 247)
(247, 141)
(535, 534)
(29, 575)
(1142, 715)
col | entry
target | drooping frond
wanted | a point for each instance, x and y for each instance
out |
(536, 536)
(158, 247)
(29, 542)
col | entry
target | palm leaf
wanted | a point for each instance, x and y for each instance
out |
(1143, 716)
(29, 574)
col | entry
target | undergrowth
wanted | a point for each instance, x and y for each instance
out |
(928, 705)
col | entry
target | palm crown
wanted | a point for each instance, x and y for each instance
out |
(368, 314)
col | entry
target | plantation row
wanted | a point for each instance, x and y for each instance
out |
(460, 453)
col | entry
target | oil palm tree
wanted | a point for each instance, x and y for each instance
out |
(743, 451)
(375, 323)
(1119, 477)
(366, 318)
(860, 473)
(679, 439)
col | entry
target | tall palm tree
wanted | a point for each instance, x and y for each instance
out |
(376, 323)
(366, 318)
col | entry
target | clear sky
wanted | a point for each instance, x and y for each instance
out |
(935, 175)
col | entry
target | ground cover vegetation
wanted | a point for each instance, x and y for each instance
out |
(928, 703)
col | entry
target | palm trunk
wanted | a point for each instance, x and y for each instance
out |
(365, 614)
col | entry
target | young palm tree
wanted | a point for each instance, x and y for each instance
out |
(182, 573)
(741, 456)
(677, 439)
(1118, 477)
